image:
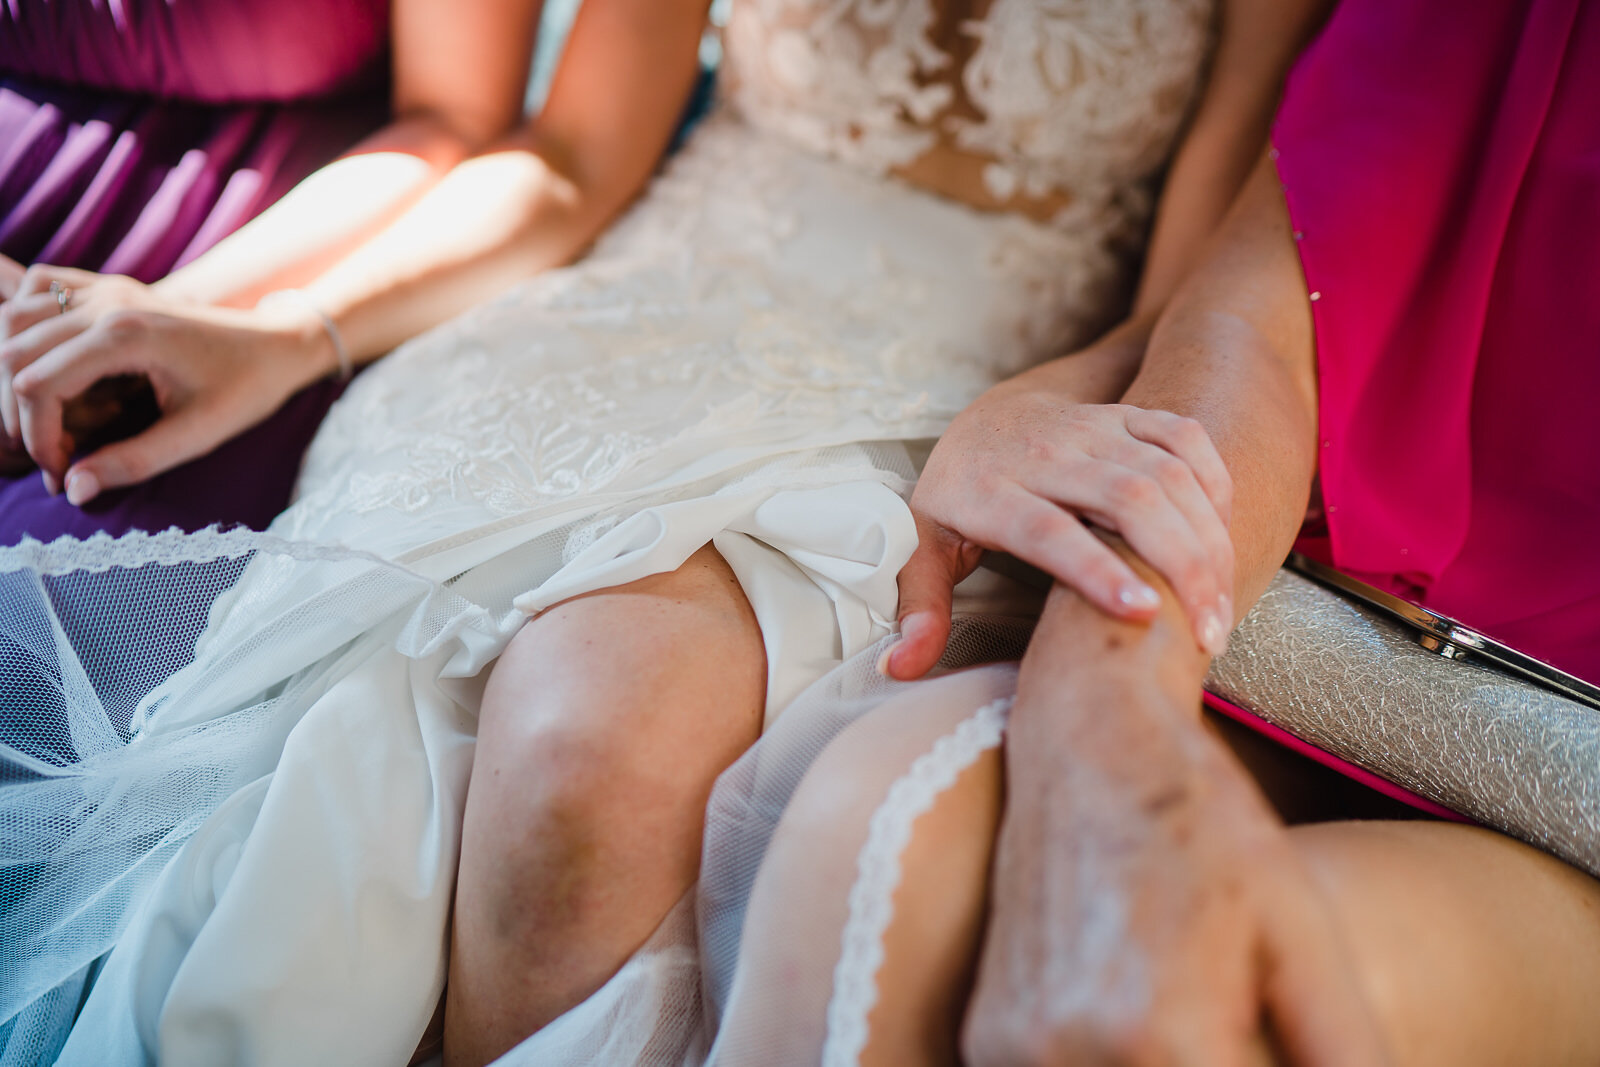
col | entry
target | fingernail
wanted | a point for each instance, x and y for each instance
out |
(1225, 609)
(1139, 597)
(51, 486)
(1213, 634)
(82, 487)
(883, 658)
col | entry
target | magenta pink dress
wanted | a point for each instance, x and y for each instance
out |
(1441, 162)
(134, 135)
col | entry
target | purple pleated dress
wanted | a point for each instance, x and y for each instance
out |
(134, 135)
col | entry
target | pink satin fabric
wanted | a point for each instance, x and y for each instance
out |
(1441, 163)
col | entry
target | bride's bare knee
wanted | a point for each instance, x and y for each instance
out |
(629, 687)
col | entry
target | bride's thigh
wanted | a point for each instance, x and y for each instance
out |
(1474, 948)
(797, 911)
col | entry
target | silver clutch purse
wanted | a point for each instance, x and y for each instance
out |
(1423, 702)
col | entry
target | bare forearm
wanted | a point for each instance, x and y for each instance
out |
(1234, 351)
(536, 198)
(324, 218)
(495, 219)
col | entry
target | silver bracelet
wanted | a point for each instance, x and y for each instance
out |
(347, 367)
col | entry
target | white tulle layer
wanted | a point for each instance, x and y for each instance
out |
(232, 765)
(663, 1009)
(270, 845)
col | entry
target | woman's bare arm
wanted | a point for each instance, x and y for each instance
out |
(1118, 802)
(459, 72)
(414, 234)
(1013, 472)
(536, 198)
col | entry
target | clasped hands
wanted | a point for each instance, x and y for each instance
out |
(106, 382)
(1147, 907)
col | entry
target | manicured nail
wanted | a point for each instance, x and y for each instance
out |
(1213, 634)
(883, 658)
(51, 486)
(1139, 597)
(82, 487)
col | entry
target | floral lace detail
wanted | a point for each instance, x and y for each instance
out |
(1080, 95)
(763, 297)
(136, 548)
(855, 977)
(1072, 97)
(756, 297)
(867, 102)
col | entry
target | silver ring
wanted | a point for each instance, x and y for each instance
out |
(63, 295)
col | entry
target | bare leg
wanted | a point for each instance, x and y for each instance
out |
(798, 907)
(603, 727)
(1474, 949)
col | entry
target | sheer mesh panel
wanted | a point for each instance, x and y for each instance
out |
(117, 740)
(663, 1008)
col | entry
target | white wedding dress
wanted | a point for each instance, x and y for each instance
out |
(238, 846)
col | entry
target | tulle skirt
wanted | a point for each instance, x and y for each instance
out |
(243, 825)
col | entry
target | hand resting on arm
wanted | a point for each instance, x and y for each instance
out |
(444, 209)
(1025, 468)
(1136, 856)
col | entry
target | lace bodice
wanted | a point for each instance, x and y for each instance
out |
(1046, 101)
(771, 291)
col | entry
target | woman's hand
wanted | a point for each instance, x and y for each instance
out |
(1178, 928)
(14, 459)
(215, 372)
(1027, 470)
(1146, 906)
(1171, 926)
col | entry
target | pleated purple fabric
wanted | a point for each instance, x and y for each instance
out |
(1441, 163)
(136, 134)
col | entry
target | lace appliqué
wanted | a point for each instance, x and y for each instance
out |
(1079, 95)
(1076, 97)
(696, 324)
(863, 67)
(855, 978)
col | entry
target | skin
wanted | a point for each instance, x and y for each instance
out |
(540, 907)
(1011, 480)
(451, 204)
(1236, 939)
(602, 730)
(1466, 947)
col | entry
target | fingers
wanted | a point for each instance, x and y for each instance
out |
(1043, 533)
(11, 273)
(41, 389)
(1194, 551)
(27, 338)
(25, 310)
(927, 582)
(172, 440)
(1186, 439)
(37, 278)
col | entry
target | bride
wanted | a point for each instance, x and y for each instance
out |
(684, 459)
